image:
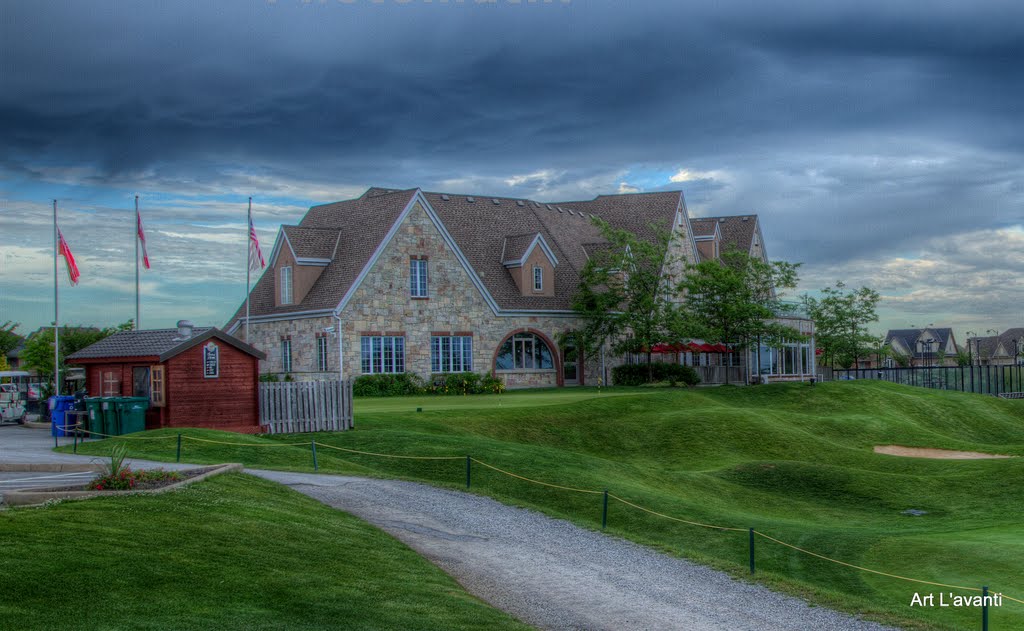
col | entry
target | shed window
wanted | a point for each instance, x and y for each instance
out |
(156, 386)
(111, 383)
(140, 381)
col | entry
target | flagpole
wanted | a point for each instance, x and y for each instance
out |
(248, 268)
(138, 319)
(56, 312)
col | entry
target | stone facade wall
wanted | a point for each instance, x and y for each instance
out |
(382, 304)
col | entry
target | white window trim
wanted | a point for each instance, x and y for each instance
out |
(322, 355)
(376, 354)
(286, 357)
(286, 285)
(538, 279)
(419, 278)
(456, 355)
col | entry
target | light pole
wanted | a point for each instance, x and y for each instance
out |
(929, 342)
(970, 356)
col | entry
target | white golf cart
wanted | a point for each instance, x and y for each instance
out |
(12, 407)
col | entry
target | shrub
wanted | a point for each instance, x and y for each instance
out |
(268, 377)
(391, 385)
(637, 374)
(465, 383)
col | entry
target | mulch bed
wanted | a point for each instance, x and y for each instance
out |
(183, 474)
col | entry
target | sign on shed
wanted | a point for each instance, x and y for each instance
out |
(211, 361)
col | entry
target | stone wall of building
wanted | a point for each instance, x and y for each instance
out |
(382, 305)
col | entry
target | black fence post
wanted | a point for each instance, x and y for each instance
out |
(312, 445)
(178, 457)
(984, 608)
(469, 470)
(752, 551)
(76, 441)
(604, 511)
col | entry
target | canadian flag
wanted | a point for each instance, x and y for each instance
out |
(142, 238)
(69, 258)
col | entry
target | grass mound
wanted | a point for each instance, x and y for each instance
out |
(791, 460)
(234, 552)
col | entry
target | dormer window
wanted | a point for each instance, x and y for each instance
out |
(286, 285)
(418, 277)
(538, 278)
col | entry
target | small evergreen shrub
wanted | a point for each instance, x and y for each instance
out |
(387, 385)
(637, 374)
(465, 383)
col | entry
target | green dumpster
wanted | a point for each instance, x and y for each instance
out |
(132, 414)
(93, 405)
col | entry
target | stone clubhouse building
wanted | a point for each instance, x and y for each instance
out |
(410, 281)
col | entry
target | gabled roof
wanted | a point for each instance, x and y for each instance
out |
(480, 229)
(705, 227)
(996, 345)
(359, 226)
(160, 343)
(311, 244)
(738, 231)
(908, 338)
(518, 248)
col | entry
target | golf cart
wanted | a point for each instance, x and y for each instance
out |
(12, 408)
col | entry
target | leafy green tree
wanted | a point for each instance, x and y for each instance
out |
(624, 295)
(9, 340)
(735, 300)
(840, 318)
(963, 357)
(38, 352)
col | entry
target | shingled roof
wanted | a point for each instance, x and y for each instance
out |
(908, 338)
(738, 231)
(312, 243)
(160, 343)
(482, 227)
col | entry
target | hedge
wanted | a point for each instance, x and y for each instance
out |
(638, 374)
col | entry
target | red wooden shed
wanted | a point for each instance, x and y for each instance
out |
(193, 376)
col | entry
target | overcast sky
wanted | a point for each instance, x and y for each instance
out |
(881, 145)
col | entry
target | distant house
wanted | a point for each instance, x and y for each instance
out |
(429, 283)
(1005, 349)
(193, 376)
(923, 347)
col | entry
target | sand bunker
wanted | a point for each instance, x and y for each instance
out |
(938, 454)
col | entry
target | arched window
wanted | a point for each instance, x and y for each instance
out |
(524, 351)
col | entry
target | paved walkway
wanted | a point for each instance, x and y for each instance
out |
(555, 575)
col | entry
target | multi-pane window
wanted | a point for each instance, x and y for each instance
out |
(286, 285)
(538, 279)
(286, 355)
(524, 351)
(321, 354)
(382, 354)
(418, 278)
(451, 354)
(156, 388)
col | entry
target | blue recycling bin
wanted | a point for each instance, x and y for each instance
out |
(58, 406)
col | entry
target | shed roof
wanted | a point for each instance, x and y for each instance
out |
(161, 343)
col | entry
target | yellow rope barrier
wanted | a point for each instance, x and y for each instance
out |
(554, 486)
(692, 523)
(91, 433)
(857, 567)
(370, 453)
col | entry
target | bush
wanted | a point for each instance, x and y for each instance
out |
(465, 383)
(637, 374)
(395, 385)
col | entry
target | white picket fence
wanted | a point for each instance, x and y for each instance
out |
(306, 406)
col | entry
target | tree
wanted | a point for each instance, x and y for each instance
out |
(624, 295)
(840, 319)
(736, 299)
(9, 340)
(963, 357)
(38, 352)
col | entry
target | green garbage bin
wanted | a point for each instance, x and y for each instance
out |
(93, 405)
(111, 422)
(132, 414)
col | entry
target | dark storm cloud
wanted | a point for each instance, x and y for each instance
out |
(856, 129)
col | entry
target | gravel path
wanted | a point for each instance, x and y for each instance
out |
(554, 575)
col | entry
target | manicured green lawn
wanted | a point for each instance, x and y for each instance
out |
(793, 461)
(234, 552)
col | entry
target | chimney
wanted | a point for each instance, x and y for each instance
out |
(185, 329)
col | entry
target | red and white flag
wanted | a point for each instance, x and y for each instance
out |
(256, 261)
(69, 258)
(142, 239)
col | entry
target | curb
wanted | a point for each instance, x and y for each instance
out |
(41, 496)
(55, 467)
